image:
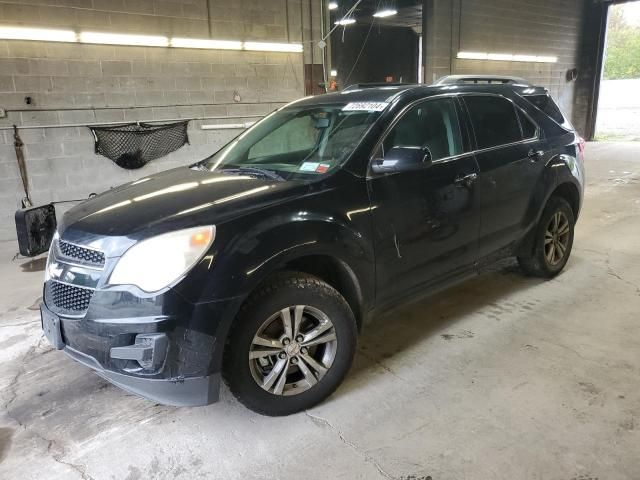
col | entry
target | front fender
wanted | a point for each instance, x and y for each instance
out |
(312, 234)
(251, 247)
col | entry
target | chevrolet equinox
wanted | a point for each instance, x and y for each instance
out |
(260, 264)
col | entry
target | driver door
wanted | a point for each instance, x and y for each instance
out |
(426, 221)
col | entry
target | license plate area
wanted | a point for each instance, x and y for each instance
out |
(51, 328)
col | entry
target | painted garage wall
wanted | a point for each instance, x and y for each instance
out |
(535, 27)
(73, 83)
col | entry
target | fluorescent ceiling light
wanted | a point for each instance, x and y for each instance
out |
(545, 59)
(124, 39)
(54, 35)
(204, 43)
(525, 58)
(241, 194)
(273, 47)
(346, 21)
(334, 73)
(388, 12)
(333, 5)
(180, 187)
(472, 55)
(507, 57)
(43, 34)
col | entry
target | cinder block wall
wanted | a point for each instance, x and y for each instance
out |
(536, 27)
(74, 83)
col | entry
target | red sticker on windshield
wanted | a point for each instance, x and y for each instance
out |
(322, 168)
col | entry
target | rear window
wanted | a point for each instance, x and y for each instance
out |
(494, 120)
(545, 103)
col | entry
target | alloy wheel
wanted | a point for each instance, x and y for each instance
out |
(556, 238)
(292, 350)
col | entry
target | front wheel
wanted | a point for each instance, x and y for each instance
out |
(552, 242)
(292, 346)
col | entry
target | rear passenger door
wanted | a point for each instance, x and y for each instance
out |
(511, 157)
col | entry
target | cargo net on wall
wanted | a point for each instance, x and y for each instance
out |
(133, 145)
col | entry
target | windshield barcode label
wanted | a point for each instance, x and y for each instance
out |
(365, 106)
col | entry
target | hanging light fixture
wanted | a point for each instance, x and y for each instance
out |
(385, 13)
(388, 9)
(347, 18)
(333, 5)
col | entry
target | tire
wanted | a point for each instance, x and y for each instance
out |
(545, 260)
(255, 382)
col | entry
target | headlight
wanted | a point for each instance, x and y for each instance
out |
(54, 240)
(155, 263)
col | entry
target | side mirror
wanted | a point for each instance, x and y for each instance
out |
(402, 159)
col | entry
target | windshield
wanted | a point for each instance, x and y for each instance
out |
(296, 141)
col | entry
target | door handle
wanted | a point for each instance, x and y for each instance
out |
(535, 154)
(466, 181)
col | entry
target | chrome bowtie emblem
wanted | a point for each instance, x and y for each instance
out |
(293, 349)
(55, 271)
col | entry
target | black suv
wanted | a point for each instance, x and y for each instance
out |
(261, 263)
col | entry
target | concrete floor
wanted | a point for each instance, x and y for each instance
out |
(503, 377)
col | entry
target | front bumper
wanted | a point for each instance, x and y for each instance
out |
(180, 391)
(181, 368)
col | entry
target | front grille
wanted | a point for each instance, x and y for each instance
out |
(68, 297)
(84, 255)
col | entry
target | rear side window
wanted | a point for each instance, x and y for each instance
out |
(433, 124)
(494, 120)
(545, 103)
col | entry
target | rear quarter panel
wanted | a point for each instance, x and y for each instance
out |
(562, 164)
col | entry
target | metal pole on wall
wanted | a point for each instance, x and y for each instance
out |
(329, 47)
(22, 166)
(323, 47)
(209, 19)
(425, 9)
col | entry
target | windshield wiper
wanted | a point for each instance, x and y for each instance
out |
(255, 171)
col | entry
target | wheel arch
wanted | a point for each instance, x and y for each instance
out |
(335, 272)
(566, 190)
(569, 192)
(332, 270)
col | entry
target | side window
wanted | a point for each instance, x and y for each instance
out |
(432, 124)
(494, 120)
(295, 135)
(528, 128)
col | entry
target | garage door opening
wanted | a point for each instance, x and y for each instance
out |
(619, 103)
(378, 42)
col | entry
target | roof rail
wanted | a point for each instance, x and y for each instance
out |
(360, 86)
(481, 79)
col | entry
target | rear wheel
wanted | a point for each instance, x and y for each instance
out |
(552, 242)
(293, 345)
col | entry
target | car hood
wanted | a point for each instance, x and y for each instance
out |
(178, 198)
